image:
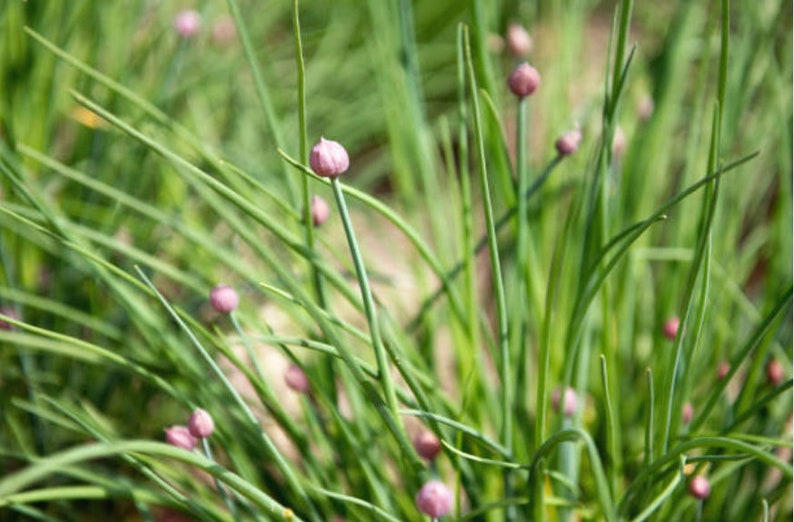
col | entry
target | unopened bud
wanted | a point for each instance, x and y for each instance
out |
(670, 328)
(223, 299)
(699, 487)
(328, 159)
(427, 444)
(180, 437)
(320, 210)
(434, 499)
(201, 424)
(524, 80)
(568, 142)
(296, 379)
(518, 40)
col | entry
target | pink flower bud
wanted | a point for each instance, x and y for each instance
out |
(670, 328)
(434, 499)
(687, 412)
(296, 379)
(699, 487)
(723, 369)
(200, 424)
(320, 210)
(569, 399)
(568, 142)
(518, 40)
(328, 159)
(524, 80)
(187, 23)
(775, 373)
(180, 437)
(223, 299)
(427, 444)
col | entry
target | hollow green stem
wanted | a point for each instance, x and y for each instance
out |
(369, 303)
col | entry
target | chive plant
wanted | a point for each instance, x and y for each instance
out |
(598, 320)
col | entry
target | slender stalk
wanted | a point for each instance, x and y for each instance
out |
(308, 224)
(205, 447)
(499, 294)
(384, 374)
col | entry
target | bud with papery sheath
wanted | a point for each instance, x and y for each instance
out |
(524, 80)
(319, 210)
(670, 328)
(427, 444)
(568, 142)
(180, 437)
(201, 424)
(296, 379)
(434, 499)
(224, 299)
(328, 159)
(699, 487)
(518, 40)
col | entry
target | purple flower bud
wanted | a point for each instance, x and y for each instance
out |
(320, 210)
(223, 299)
(296, 379)
(187, 23)
(670, 328)
(687, 412)
(518, 40)
(328, 159)
(524, 80)
(200, 424)
(775, 373)
(699, 487)
(427, 444)
(568, 142)
(434, 499)
(569, 399)
(180, 437)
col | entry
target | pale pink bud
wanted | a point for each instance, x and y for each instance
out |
(320, 210)
(224, 31)
(699, 487)
(223, 299)
(187, 23)
(524, 80)
(568, 142)
(328, 159)
(670, 328)
(723, 369)
(645, 108)
(427, 444)
(201, 424)
(518, 40)
(180, 437)
(618, 143)
(570, 402)
(434, 499)
(775, 373)
(296, 379)
(687, 412)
